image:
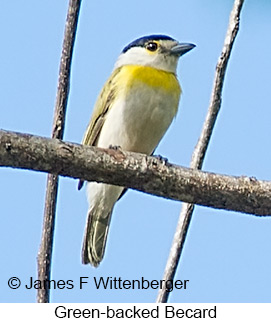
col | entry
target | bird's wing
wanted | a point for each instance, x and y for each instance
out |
(102, 106)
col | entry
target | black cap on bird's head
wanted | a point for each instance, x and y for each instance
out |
(142, 41)
(158, 51)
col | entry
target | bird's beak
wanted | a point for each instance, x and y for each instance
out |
(181, 49)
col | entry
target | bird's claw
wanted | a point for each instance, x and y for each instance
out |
(162, 159)
(114, 147)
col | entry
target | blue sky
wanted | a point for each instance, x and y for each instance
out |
(227, 255)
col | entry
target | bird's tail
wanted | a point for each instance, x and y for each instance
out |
(95, 237)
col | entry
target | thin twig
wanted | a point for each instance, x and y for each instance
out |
(201, 147)
(45, 251)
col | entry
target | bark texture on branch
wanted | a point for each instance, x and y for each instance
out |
(144, 173)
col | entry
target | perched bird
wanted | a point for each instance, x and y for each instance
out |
(134, 109)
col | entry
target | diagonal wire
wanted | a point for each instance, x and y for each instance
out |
(201, 148)
(46, 246)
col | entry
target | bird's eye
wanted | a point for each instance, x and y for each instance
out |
(152, 46)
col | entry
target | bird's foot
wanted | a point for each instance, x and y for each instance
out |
(114, 147)
(162, 159)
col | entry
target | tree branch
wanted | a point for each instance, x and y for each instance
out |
(144, 173)
(201, 147)
(45, 251)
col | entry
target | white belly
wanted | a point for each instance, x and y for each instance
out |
(137, 122)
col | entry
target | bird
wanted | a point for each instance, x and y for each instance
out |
(133, 111)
